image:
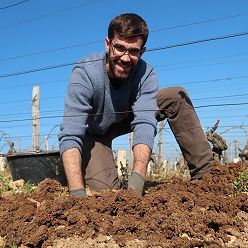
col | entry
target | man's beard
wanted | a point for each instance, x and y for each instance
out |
(115, 64)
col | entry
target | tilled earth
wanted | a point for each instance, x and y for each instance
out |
(177, 213)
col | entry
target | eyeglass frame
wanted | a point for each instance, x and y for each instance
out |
(126, 51)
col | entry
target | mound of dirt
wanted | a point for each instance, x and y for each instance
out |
(176, 213)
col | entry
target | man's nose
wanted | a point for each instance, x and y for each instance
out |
(126, 56)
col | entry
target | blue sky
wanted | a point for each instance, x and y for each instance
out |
(38, 34)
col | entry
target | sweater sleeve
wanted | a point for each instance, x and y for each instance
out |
(144, 124)
(77, 108)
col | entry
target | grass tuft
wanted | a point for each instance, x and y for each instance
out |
(241, 183)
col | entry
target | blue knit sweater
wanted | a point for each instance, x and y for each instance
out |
(90, 94)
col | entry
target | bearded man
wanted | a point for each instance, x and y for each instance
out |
(116, 92)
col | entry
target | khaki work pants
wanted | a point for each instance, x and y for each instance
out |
(99, 167)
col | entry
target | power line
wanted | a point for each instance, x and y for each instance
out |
(193, 82)
(45, 68)
(94, 42)
(218, 97)
(228, 126)
(148, 50)
(13, 5)
(225, 116)
(162, 66)
(19, 101)
(49, 14)
(200, 60)
(56, 97)
(121, 112)
(124, 141)
(208, 81)
(24, 125)
(121, 138)
(28, 136)
(198, 41)
(36, 70)
(32, 84)
(164, 85)
(202, 65)
(200, 22)
(28, 113)
(52, 124)
(49, 51)
(221, 105)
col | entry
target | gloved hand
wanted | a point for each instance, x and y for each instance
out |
(136, 182)
(78, 193)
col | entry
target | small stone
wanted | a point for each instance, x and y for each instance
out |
(2, 242)
(17, 184)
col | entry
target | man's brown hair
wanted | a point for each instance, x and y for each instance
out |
(128, 25)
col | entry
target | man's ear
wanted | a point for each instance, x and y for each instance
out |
(107, 44)
(143, 50)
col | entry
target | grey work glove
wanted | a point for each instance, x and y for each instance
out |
(78, 193)
(136, 182)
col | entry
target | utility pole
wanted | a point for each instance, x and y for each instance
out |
(36, 118)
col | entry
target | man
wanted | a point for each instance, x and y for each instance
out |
(114, 93)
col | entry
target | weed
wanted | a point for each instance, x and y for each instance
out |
(4, 184)
(241, 182)
(28, 188)
(13, 246)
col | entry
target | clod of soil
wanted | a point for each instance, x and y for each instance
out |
(176, 213)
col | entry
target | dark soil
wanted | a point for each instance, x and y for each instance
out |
(177, 213)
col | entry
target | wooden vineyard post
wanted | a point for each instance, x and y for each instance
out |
(160, 144)
(36, 118)
(121, 161)
(46, 143)
(19, 144)
(130, 161)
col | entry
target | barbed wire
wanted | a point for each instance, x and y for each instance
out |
(49, 134)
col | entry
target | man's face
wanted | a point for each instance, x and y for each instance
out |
(124, 54)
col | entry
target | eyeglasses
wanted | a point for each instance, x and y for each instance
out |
(120, 50)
